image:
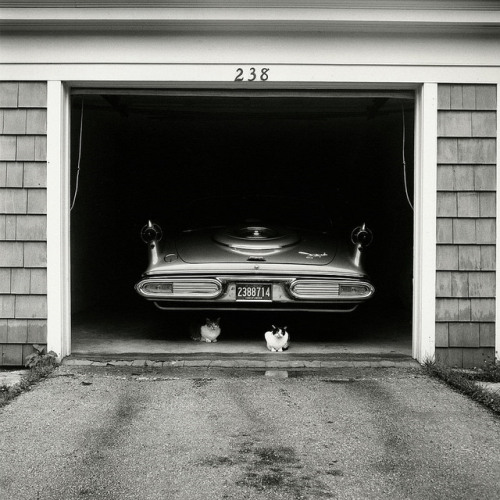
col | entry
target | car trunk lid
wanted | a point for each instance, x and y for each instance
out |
(255, 244)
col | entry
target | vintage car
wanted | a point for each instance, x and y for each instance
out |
(255, 252)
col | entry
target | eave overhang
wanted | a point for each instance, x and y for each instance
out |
(253, 15)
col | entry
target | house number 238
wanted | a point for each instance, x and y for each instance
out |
(252, 74)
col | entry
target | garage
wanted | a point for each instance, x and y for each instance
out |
(142, 154)
(314, 102)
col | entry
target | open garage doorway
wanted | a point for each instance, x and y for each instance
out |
(139, 155)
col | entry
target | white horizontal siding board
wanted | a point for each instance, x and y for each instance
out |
(215, 74)
(81, 46)
(405, 12)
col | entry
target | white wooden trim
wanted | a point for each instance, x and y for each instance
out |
(380, 5)
(246, 15)
(424, 229)
(58, 250)
(217, 75)
(424, 262)
(418, 5)
(59, 336)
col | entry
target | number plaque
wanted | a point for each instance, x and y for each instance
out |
(252, 74)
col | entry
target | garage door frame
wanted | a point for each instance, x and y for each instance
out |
(58, 225)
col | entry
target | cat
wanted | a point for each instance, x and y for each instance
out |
(277, 339)
(206, 332)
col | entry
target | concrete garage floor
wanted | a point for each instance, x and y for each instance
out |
(144, 332)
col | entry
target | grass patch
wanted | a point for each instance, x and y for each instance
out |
(464, 381)
(40, 364)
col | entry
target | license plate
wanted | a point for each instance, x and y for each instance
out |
(254, 291)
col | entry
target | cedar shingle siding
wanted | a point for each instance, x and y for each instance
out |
(23, 224)
(466, 225)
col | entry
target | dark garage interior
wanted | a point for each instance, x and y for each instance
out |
(139, 155)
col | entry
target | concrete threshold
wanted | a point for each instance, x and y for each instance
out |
(220, 360)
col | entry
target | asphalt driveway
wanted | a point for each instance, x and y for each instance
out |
(109, 433)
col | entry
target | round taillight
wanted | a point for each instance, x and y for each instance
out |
(151, 232)
(362, 236)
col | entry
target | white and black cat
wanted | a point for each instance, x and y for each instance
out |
(277, 339)
(206, 332)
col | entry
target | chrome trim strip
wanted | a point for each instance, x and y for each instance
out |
(321, 289)
(199, 288)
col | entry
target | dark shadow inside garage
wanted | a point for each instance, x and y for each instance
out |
(141, 155)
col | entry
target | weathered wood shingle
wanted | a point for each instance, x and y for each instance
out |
(476, 151)
(31, 228)
(484, 124)
(17, 331)
(7, 306)
(9, 94)
(5, 281)
(23, 208)
(37, 331)
(38, 281)
(35, 254)
(464, 231)
(444, 228)
(14, 173)
(488, 257)
(464, 334)
(485, 178)
(466, 224)
(32, 95)
(483, 310)
(36, 121)
(447, 204)
(30, 306)
(20, 281)
(469, 257)
(486, 97)
(447, 257)
(37, 201)
(8, 147)
(11, 254)
(35, 175)
(14, 121)
(13, 201)
(11, 354)
(442, 339)
(25, 149)
(467, 204)
(487, 334)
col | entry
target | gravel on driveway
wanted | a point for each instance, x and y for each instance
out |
(189, 434)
